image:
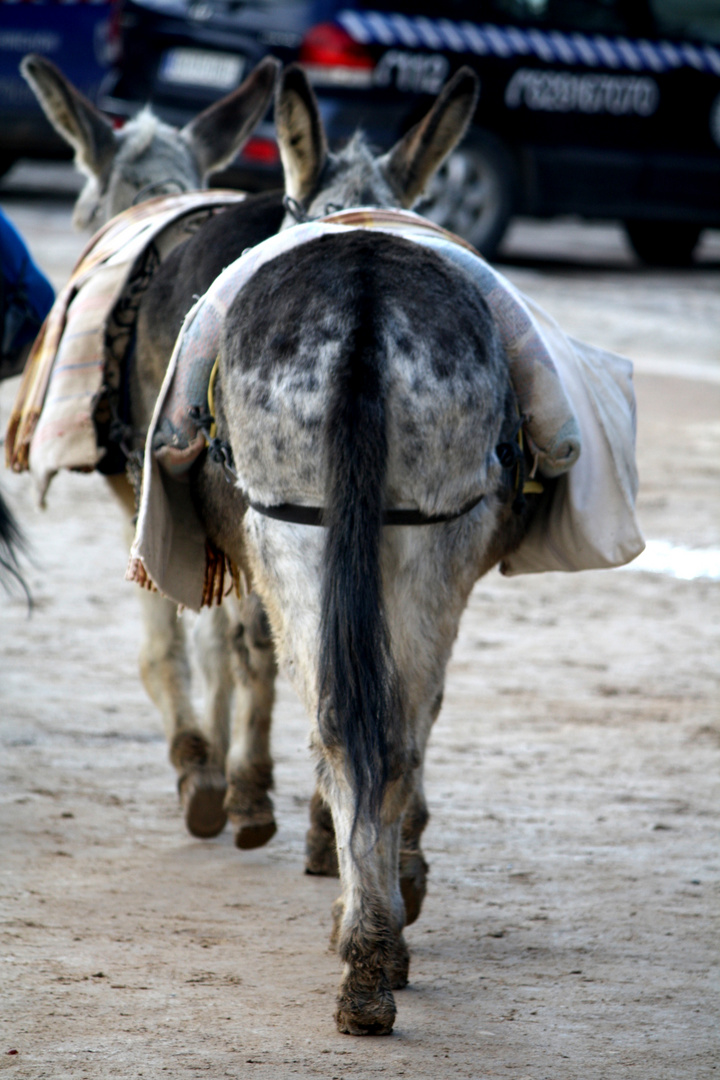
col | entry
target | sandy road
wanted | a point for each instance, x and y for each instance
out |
(570, 929)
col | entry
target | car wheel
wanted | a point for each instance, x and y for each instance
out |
(473, 193)
(663, 243)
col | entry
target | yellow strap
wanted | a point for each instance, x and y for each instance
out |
(530, 487)
(211, 395)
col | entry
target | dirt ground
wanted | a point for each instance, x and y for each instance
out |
(571, 926)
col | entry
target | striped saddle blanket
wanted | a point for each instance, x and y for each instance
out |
(80, 354)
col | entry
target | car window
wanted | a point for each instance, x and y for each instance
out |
(593, 16)
(690, 19)
(597, 16)
(698, 20)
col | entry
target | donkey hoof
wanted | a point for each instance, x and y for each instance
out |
(202, 794)
(252, 834)
(413, 883)
(250, 808)
(365, 1013)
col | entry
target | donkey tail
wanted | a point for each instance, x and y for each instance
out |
(359, 701)
(12, 541)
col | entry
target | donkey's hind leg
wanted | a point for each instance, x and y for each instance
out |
(166, 674)
(249, 763)
(320, 844)
(413, 867)
(369, 917)
(321, 848)
(211, 644)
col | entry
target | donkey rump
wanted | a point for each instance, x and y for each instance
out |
(570, 395)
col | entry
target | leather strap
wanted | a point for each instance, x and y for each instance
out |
(313, 515)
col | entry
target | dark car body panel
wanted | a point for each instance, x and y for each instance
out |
(599, 126)
(77, 37)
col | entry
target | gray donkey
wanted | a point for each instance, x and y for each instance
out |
(205, 752)
(363, 391)
(146, 158)
(187, 273)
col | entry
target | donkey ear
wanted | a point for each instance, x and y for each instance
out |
(413, 160)
(300, 134)
(72, 115)
(218, 133)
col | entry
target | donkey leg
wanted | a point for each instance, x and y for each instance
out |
(211, 642)
(249, 763)
(397, 961)
(413, 867)
(321, 852)
(166, 674)
(368, 946)
(320, 847)
(370, 919)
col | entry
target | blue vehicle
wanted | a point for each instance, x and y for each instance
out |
(80, 37)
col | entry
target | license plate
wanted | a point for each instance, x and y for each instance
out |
(200, 67)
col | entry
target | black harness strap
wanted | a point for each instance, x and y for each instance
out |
(221, 453)
(313, 515)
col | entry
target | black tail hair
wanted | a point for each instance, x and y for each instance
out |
(359, 699)
(12, 541)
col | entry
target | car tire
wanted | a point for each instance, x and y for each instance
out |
(473, 193)
(663, 243)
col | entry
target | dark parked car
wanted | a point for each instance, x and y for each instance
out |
(602, 108)
(181, 55)
(81, 38)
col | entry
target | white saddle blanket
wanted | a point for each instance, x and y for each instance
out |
(578, 402)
